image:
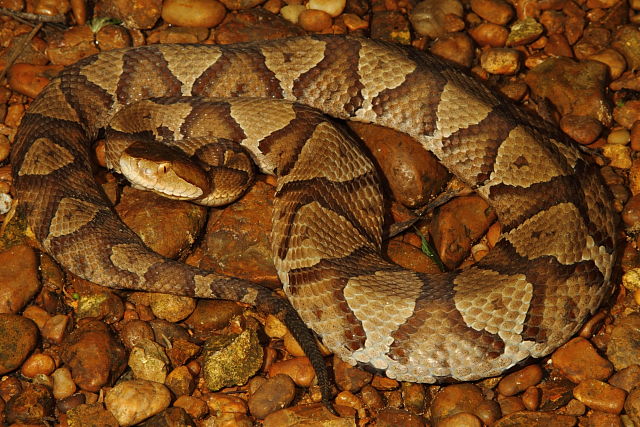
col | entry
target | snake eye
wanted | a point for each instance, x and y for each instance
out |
(163, 168)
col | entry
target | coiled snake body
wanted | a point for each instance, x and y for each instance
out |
(550, 269)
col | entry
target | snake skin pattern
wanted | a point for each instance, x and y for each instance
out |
(548, 272)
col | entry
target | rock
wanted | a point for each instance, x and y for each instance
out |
(275, 393)
(392, 26)
(578, 360)
(231, 359)
(112, 37)
(519, 381)
(331, 7)
(618, 155)
(572, 87)
(455, 399)
(430, 17)
(101, 305)
(526, 418)
(349, 377)
(32, 405)
(315, 414)
(86, 415)
(225, 403)
(488, 34)
(390, 417)
(194, 13)
(237, 238)
(500, 60)
(291, 12)
(38, 364)
(613, 59)
(135, 14)
(583, 129)
(55, 329)
(627, 113)
(180, 381)
(170, 417)
(556, 393)
(495, 11)
(135, 330)
(463, 419)
(19, 278)
(413, 174)
(93, 355)
(511, 404)
(71, 46)
(627, 378)
(241, 4)
(413, 396)
(457, 224)
(372, 398)
(254, 24)
(63, 385)
(29, 79)
(524, 32)
(632, 405)
(133, 401)
(600, 396)
(213, 315)
(196, 408)
(298, 368)
(166, 226)
(531, 398)
(623, 350)
(456, 47)
(172, 308)
(20, 336)
(314, 20)
(627, 41)
(148, 361)
(181, 351)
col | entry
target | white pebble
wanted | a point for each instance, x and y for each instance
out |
(291, 12)
(332, 7)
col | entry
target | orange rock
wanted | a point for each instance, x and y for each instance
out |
(578, 360)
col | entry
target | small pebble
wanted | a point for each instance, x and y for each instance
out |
(133, 401)
(298, 368)
(63, 385)
(193, 13)
(275, 393)
(600, 396)
(496, 11)
(619, 136)
(314, 20)
(578, 361)
(519, 381)
(332, 7)
(38, 364)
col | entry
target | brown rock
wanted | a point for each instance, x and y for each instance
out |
(623, 349)
(38, 364)
(180, 381)
(557, 45)
(413, 396)
(583, 129)
(86, 415)
(135, 330)
(300, 415)
(454, 399)
(170, 417)
(384, 383)
(19, 278)
(32, 405)
(410, 257)
(237, 238)
(600, 396)
(275, 393)
(212, 315)
(391, 417)
(221, 402)
(136, 400)
(314, 20)
(495, 11)
(511, 404)
(241, 4)
(135, 14)
(578, 360)
(413, 174)
(73, 45)
(627, 114)
(19, 338)
(349, 377)
(627, 378)
(29, 79)
(196, 408)
(113, 37)
(627, 41)
(573, 87)
(531, 398)
(392, 26)
(181, 351)
(254, 24)
(526, 418)
(430, 18)
(556, 393)
(519, 381)
(463, 419)
(457, 224)
(456, 47)
(166, 226)
(500, 60)
(488, 34)
(195, 13)
(298, 368)
(632, 405)
(602, 419)
(371, 398)
(93, 355)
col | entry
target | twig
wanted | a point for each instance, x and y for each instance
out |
(18, 50)
(32, 17)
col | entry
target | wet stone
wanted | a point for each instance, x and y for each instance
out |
(20, 336)
(578, 360)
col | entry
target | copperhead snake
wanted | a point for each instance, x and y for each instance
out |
(548, 272)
